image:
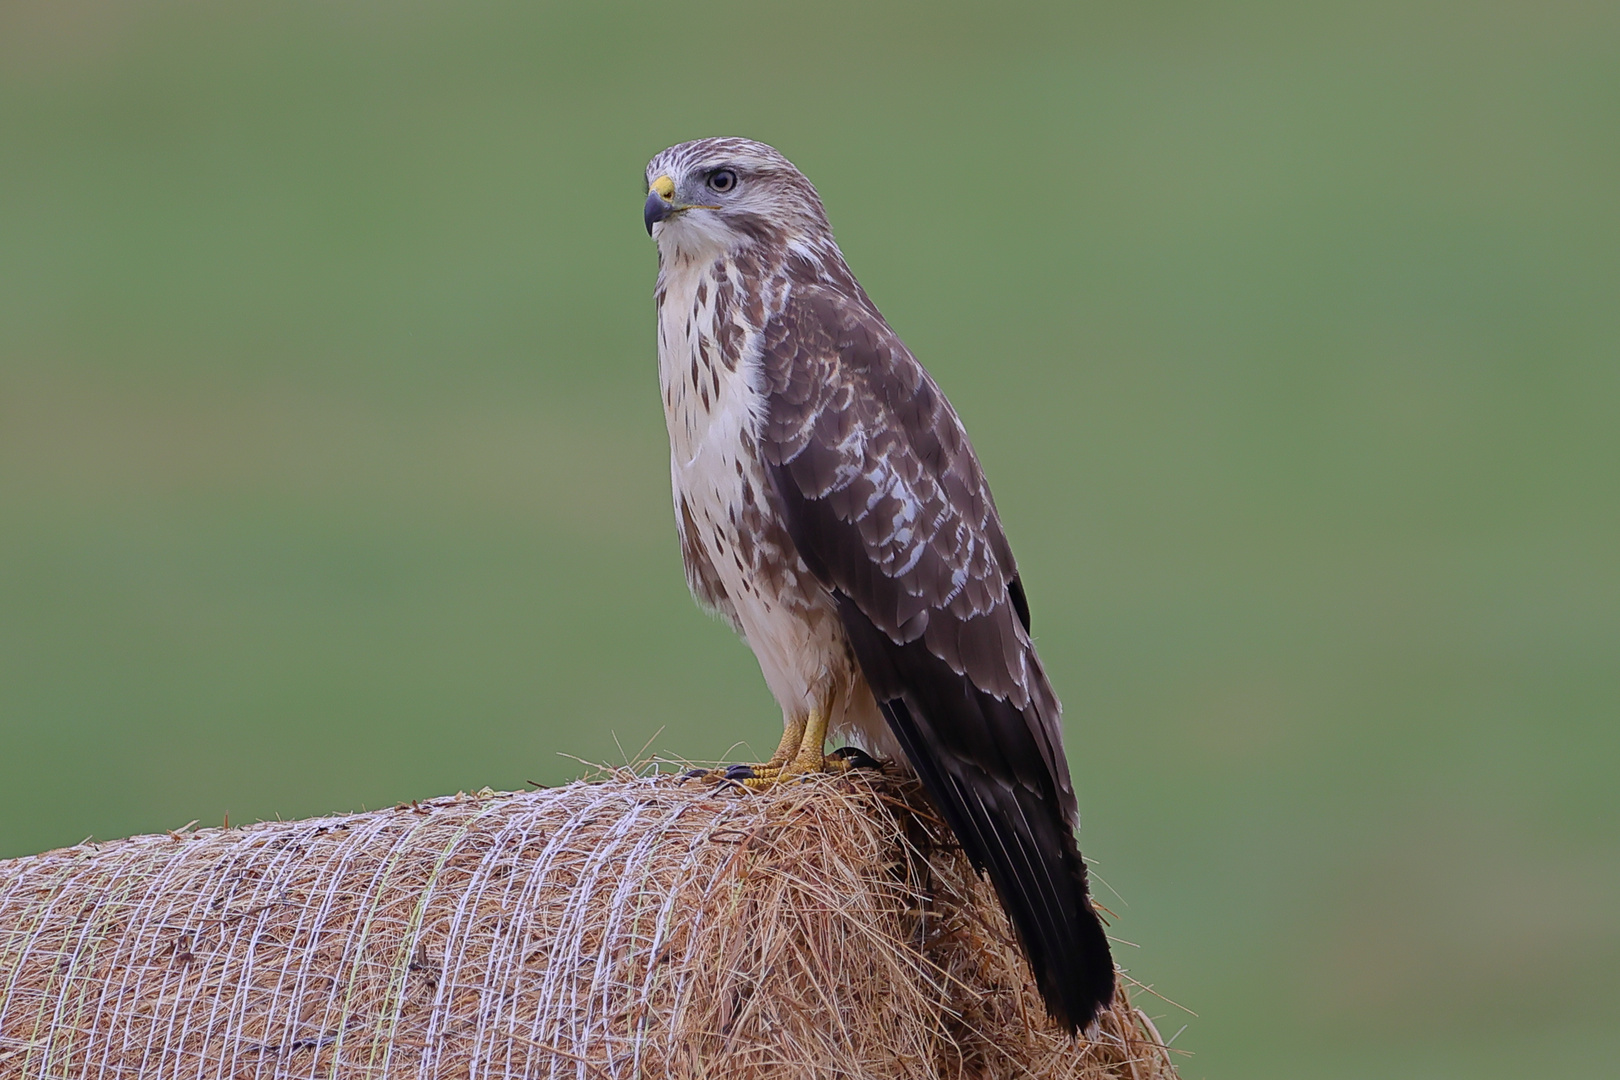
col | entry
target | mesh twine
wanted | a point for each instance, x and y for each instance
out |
(637, 926)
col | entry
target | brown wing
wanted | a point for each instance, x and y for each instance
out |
(888, 506)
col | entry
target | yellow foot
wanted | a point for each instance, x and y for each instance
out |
(731, 772)
(760, 777)
(754, 777)
(799, 754)
(785, 775)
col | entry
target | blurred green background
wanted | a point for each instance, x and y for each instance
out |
(332, 471)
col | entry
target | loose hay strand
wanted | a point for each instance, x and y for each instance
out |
(636, 926)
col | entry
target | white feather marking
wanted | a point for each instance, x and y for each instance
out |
(788, 620)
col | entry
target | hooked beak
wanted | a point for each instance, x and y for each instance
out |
(660, 202)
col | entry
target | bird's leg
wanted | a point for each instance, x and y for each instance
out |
(807, 751)
(809, 757)
(801, 752)
(792, 736)
(786, 750)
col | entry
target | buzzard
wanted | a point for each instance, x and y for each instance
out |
(831, 509)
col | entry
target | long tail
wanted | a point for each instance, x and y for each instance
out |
(983, 771)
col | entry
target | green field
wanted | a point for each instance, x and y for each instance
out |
(332, 471)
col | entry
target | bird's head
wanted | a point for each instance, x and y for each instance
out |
(711, 196)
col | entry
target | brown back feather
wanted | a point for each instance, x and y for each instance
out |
(888, 506)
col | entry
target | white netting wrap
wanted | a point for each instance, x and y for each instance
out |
(636, 927)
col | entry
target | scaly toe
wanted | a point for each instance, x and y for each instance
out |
(770, 773)
(740, 773)
(846, 758)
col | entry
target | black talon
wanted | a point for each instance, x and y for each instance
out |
(693, 774)
(740, 772)
(856, 757)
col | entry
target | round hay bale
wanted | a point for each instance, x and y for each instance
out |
(635, 927)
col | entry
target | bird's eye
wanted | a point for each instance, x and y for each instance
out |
(722, 180)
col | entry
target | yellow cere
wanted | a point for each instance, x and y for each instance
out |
(664, 186)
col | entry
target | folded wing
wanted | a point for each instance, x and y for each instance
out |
(888, 506)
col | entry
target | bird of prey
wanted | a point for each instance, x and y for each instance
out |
(831, 509)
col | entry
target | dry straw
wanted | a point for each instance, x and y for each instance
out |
(633, 927)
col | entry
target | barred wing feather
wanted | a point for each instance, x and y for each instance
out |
(888, 506)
